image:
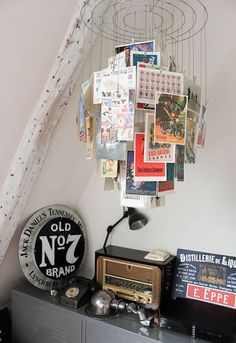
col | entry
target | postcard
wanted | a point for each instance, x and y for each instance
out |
(117, 121)
(194, 94)
(117, 62)
(137, 187)
(107, 150)
(118, 105)
(97, 82)
(80, 120)
(87, 92)
(150, 81)
(201, 128)
(192, 120)
(179, 162)
(170, 118)
(155, 151)
(131, 200)
(146, 171)
(118, 81)
(90, 133)
(151, 58)
(147, 46)
(108, 121)
(168, 186)
(109, 168)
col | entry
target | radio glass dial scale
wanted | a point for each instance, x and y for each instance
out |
(129, 280)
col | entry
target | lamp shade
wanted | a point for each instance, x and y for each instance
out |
(137, 220)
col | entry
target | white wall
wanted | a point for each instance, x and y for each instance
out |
(31, 33)
(200, 215)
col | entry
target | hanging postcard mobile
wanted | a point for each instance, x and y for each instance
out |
(170, 118)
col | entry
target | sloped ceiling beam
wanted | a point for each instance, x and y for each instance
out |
(31, 152)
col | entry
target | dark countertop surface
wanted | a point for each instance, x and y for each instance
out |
(123, 321)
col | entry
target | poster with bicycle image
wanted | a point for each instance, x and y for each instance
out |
(170, 118)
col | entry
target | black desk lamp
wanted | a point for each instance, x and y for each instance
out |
(136, 221)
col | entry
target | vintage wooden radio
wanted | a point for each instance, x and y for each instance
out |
(130, 276)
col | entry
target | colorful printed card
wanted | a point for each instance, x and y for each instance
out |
(201, 128)
(97, 83)
(150, 81)
(194, 94)
(155, 151)
(151, 58)
(131, 200)
(81, 121)
(179, 162)
(168, 186)
(170, 118)
(146, 46)
(137, 187)
(107, 150)
(146, 171)
(117, 121)
(192, 119)
(109, 168)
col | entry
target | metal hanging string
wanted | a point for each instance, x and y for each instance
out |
(200, 59)
(205, 41)
(90, 71)
(101, 52)
(189, 54)
(193, 52)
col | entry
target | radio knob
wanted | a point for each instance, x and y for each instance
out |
(136, 298)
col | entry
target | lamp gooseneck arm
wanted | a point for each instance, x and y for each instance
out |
(111, 227)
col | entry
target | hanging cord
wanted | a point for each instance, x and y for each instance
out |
(83, 68)
(177, 53)
(182, 48)
(189, 54)
(145, 23)
(162, 43)
(101, 49)
(90, 68)
(152, 11)
(193, 49)
(172, 26)
(206, 70)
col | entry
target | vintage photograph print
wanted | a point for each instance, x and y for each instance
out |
(170, 118)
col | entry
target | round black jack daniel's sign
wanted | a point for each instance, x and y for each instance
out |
(52, 246)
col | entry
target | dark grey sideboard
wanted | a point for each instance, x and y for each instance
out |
(38, 318)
